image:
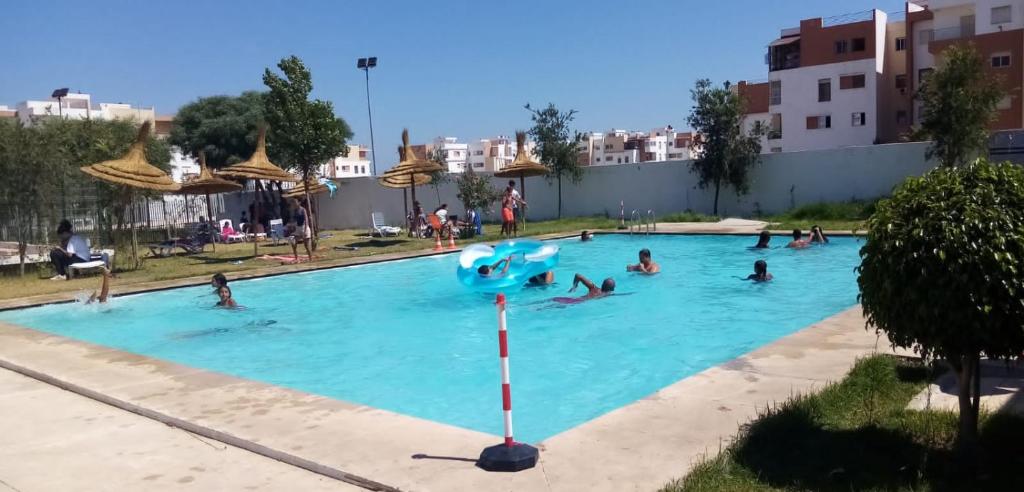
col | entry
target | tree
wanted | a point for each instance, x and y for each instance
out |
(305, 133)
(438, 178)
(556, 144)
(959, 101)
(941, 271)
(475, 191)
(725, 154)
(26, 162)
(225, 127)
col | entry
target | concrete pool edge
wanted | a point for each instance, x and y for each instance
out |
(638, 446)
(674, 229)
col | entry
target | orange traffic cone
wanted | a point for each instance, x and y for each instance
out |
(451, 241)
(437, 241)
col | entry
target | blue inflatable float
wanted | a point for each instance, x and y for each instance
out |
(529, 258)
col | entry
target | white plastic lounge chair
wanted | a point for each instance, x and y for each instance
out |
(379, 228)
(235, 237)
(84, 265)
(277, 231)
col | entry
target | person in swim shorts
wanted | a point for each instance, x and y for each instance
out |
(593, 291)
(303, 233)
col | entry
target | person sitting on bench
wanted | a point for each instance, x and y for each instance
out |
(72, 249)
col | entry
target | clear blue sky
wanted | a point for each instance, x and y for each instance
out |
(459, 68)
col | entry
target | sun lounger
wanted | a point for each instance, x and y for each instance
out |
(78, 268)
(379, 228)
(228, 234)
(277, 231)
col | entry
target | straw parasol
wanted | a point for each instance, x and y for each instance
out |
(258, 167)
(522, 167)
(315, 188)
(133, 171)
(206, 184)
(408, 171)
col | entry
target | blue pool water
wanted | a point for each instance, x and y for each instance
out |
(407, 337)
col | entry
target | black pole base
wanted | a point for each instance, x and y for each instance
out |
(504, 458)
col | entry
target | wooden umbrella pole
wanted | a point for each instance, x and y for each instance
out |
(135, 238)
(522, 185)
(255, 221)
(209, 211)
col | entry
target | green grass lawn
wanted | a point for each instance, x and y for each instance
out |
(858, 435)
(232, 258)
(847, 216)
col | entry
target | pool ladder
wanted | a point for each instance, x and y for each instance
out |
(648, 222)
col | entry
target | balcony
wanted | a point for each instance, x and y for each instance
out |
(957, 32)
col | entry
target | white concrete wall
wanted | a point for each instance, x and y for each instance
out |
(800, 100)
(779, 182)
(983, 16)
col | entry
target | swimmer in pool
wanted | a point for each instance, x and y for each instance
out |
(104, 289)
(760, 272)
(489, 270)
(224, 292)
(817, 236)
(546, 278)
(586, 236)
(593, 292)
(798, 242)
(646, 266)
(762, 240)
(218, 281)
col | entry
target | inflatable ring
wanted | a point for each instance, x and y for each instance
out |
(529, 258)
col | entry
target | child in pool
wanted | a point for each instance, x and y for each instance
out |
(489, 270)
(760, 272)
(593, 292)
(224, 292)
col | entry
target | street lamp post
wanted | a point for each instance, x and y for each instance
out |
(60, 94)
(365, 64)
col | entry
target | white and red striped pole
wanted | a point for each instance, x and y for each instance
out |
(509, 456)
(506, 385)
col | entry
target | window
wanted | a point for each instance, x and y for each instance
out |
(775, 92)
(344, 168)
(776, 149)
(816, 122)
(922, 74)
(858, 44)
(1005, 103)
(775, 131)
(824, 90)
(851, 81)
(901, 44)
(627, 159)
(925, 36)
(901, 82)
(1001, 15)
(857, 119)
(362, 169)
(901, 117)
(478, 152)
(362, 154)
(840, 46)
(607, 146)
(620, 160)
(1000, 60)
(478, 164)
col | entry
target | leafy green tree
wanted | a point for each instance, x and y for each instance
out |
(305, 133)
(556, 144)
(475, 191)
(225, 127)
(941, 271)
(959, 102)
(725, 154)
(438, 178)
(26, 162)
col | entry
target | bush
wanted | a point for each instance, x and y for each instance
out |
(941, 271)
(852, 210)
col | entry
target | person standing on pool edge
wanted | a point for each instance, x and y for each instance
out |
(517, 200)
(646, 266)
(302, 231)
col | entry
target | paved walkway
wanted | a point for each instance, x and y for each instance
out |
(56, 440)
(1001, 390)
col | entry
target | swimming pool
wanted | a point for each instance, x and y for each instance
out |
(406, 336)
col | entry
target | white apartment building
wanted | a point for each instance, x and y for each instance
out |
(80, 106)
(624, 147)
(454, 153)
(355, 165)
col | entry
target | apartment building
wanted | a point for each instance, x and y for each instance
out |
(850, 80)
(994, 27)
(6, 112)
(625, 147)
(80, 106)
(355, 165)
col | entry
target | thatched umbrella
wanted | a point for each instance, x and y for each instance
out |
(133, 171)
(409, 169)
(315, 188)
(206, 184)
(522, 167)
(258, 167)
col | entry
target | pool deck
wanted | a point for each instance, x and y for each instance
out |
(640, 446)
